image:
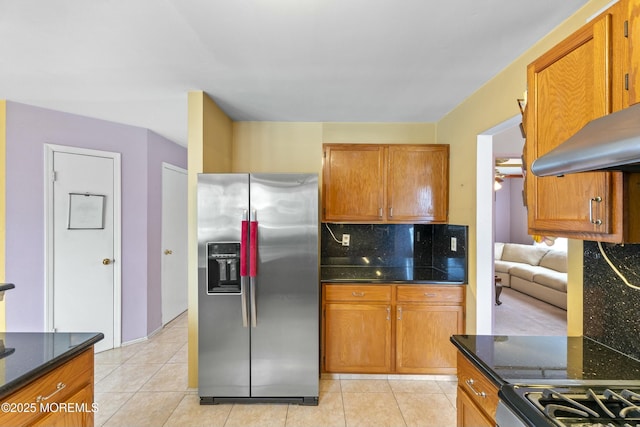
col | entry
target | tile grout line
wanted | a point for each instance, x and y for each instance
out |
(404, 420)
(344, 411)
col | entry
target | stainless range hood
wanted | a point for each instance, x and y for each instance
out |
(610, 143)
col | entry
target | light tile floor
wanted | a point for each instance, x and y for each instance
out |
(145, 384)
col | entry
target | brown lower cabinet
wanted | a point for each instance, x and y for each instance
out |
(61, 397)
(477, 396)
(390, 328)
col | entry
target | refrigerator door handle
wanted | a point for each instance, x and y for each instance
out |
(243, 301)
(253, 265)
(254, 321)
(244, 234)
(243, 267)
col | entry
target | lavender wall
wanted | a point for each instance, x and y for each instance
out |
(142, 152)
(510, 213)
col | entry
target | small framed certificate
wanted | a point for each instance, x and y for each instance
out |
(86, 211)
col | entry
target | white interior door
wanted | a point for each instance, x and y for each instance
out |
(83, 251)
(174, 242)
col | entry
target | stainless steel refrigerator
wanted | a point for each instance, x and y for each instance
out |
(258, 288)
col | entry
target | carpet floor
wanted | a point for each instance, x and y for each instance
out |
(520, 314)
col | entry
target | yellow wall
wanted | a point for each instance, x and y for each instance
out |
(209, 150)
(297, 147)
(217, 136)
(277, 147)
(3, 146)
(492, 104)
(380, 133)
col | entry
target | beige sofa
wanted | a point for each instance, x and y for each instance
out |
(538, 271)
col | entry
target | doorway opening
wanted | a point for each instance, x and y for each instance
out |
(504, 218)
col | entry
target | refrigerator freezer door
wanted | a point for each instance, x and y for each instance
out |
(223, 334)
(285, 338)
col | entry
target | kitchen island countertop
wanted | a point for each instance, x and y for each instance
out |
(25, 356)
(547, 360)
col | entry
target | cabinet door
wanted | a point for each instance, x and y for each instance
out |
(422, 338)
(634, 51)
(353, 182)
(569, 86)
(80, 413)
(357, 338)
(61, 385)
(479, 388)
(469, 415)
(418, 183)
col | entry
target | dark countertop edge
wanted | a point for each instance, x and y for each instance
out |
(533, 382)
(12, 386)
(384, 282)
(478, 363)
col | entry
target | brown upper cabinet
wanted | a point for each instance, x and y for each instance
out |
(578, 80)
(376, 183)
(633, 52)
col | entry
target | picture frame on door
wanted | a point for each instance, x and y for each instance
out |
(86, 211)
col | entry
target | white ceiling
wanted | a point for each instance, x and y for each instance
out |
(134, 61)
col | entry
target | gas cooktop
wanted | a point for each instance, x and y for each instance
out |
(582, 405)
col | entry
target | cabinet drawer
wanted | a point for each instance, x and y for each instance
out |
(479, 388)
(357, 293)
(53, 387)
(430, 293)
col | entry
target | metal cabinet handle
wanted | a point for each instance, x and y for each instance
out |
(388, 313)
(59, 386)
(380, 212)
(107, 261)
(390, 211)
(168, 252)
(399, 313)
(429, 295)
(470, 382)
(596, 221)
(357, 294)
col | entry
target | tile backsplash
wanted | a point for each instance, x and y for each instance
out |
(396, 245)
(610, 307)
(381, 244)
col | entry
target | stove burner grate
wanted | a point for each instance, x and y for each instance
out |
(586, 407)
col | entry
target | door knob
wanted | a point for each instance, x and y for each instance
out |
(168, 251)
(106, 261)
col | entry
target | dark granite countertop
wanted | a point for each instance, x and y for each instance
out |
(367, 274)
(6, 286)
(547, 360)
(26, 356)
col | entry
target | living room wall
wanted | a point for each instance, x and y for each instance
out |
(510, 213)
